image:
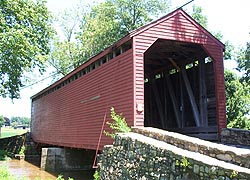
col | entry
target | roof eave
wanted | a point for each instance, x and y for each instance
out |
(85, 64)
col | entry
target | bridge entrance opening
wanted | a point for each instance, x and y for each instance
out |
(179, 89)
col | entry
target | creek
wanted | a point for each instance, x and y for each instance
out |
(21, 168)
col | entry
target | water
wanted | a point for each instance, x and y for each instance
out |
(25, 169)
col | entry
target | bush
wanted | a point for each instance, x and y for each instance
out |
(119, 124)
(3, 155)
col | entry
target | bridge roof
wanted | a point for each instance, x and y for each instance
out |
(131, 35)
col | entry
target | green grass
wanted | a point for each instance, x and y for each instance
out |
(5, 174)
(8, 132)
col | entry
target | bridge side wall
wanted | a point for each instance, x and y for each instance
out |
(72, 116)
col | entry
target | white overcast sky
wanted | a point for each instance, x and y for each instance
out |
(229, 17)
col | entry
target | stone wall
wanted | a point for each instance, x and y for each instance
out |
(13, 144)
(222, 152)
(56, 159)
(235, 136)
(135, 156)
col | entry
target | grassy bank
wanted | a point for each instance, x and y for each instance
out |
(5, 174)
(8, 132)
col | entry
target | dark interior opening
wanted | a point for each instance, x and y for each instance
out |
(180, 89)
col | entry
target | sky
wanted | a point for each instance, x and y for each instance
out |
(229, 17)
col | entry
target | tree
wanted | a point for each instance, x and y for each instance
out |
(99, 30)
(20, 121)
(25, 31)
(101, 25)
(197, 14)
(238, 101)
(65, 56)
(111, 20)
(244, 62)
(132, 14)
(65, 53)
(239, 92)
(2, 122)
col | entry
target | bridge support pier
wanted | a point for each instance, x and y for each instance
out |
(65, 159)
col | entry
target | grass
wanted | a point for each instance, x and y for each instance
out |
(8, 132)
(5, 174)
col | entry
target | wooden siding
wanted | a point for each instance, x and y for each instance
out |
(73, 115)
(178, 26)
(217, 55)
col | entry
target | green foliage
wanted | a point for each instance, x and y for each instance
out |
(238, 92)
(238, 101)
(102, 24)
(2, 121)
(241, 123)
(110, 20)
(25, 31)
(244, 62)
(119, 124)
(100, 29)
(65, 54)
(234, 174)
(229, 48)
(197, 14)
(20, 121)
(183, 162)
(3, 155)
(96, 175)
(5, 174)
(22, 150)
(60, 177)
(132, 14)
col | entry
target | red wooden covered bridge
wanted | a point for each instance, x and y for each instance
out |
(167, 74)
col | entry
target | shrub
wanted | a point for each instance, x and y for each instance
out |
(119, 124)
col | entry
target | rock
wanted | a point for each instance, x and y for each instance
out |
(224, 157)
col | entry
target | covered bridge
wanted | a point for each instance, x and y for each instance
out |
(167, 74)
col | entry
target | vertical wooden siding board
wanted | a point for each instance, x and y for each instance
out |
(220, 94)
